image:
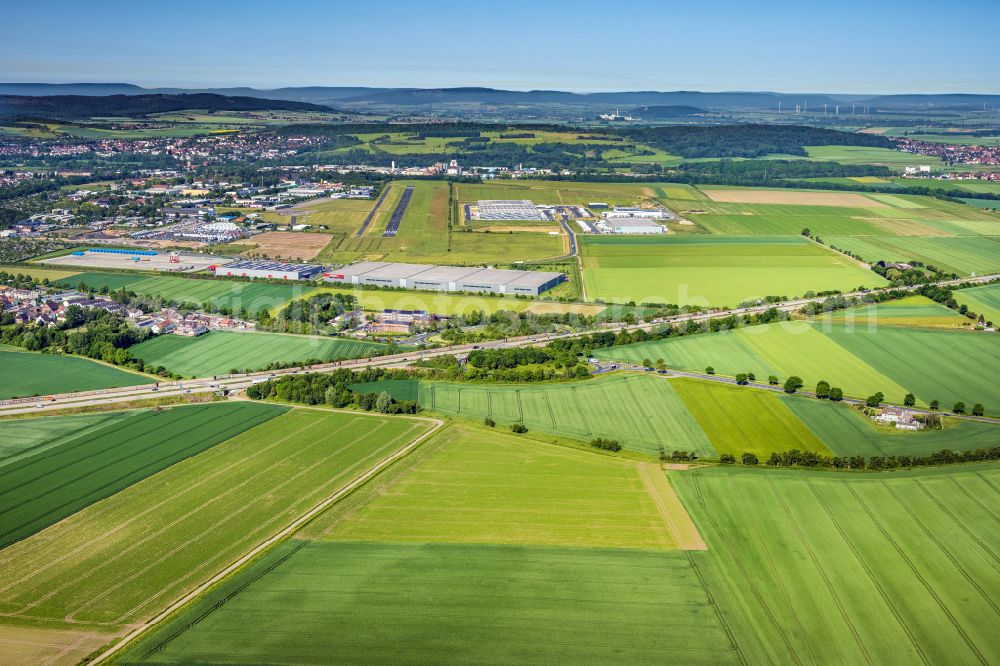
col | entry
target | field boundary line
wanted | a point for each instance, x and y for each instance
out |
(694, 540)
(253, 533)
(194, 539)
(280, 536)
(147, 537)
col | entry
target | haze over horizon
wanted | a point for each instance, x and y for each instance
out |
(851, 48)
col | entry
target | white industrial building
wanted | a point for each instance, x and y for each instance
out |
(446, 278)
(628, 225)
(273, 270)
(648, 213)
(506, 209)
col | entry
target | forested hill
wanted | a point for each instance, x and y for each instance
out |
(662, 112)
(85, 106)
(746, 140)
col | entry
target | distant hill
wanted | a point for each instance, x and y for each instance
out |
(359, 97)
(665, 112)
(85, 106)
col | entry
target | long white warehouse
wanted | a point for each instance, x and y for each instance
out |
(446, 278)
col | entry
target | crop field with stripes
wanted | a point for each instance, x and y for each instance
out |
(24, 374)
(859, 359)
(713, 270)
(220, 352)
(220, 293)
(41, 487)
(487, 547)
(122, 559)
(843, 568)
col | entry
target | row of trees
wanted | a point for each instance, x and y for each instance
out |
(797, 458)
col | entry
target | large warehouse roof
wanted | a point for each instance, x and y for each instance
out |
(265, 265)
(446, 278)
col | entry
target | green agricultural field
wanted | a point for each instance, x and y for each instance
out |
(52, 274)
(220, 352)
(376, 300)
(20, 438)
(123, 559)
(475, 485)
(58, 479)
(556, 192)
(331, 602)
(858, 358)
(713, 270)
(737, 419)
(844, 568)
(912, 311)
(643, 413)
(28, 373)
(958, 254)
(894, 159)
(847, 432)
(231, 294)
(982, 300)
(955, 365)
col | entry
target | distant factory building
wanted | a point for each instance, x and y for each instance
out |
(262, 268)
(446, 278)
(502, 209)
(629, 225)
(648, 213)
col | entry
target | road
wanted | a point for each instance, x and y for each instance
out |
(572, 239)
(236, 382)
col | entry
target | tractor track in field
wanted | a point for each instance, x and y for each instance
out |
(288, 530)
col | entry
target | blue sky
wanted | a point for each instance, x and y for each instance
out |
(789, 46)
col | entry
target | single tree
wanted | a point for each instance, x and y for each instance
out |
(822, 389)
(489, 422)
(749, 459)
(909, 400)
(792, 384)
(727, 459)
(978, 409)
(772, 380)
(752, 377)
(959, 407)
(709, 370)
(836, 394)
(741, 379)
(934, 404)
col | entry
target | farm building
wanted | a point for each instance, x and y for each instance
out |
(446, 278)
(258, 268)
(502, 209)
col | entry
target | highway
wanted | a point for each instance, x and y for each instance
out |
(237, 382)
